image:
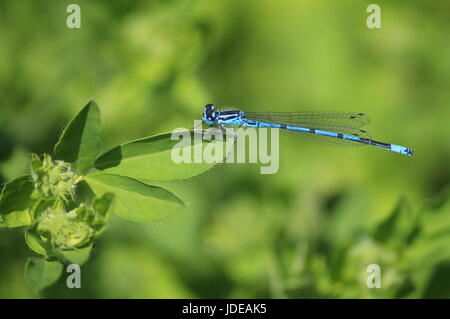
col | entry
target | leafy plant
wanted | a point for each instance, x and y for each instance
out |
(409, 246)
(64, 203)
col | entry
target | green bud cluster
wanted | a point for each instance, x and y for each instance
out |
(53, 179)
(72, 229)
(61, 220)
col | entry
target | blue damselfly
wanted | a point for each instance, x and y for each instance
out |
(339, 128)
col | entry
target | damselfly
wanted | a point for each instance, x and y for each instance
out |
(341, 128)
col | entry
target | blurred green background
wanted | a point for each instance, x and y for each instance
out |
(308, 231)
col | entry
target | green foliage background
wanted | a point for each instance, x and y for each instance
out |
(308, 231)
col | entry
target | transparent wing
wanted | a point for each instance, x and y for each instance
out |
(349, 123)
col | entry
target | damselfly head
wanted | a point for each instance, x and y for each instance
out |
(209, 115)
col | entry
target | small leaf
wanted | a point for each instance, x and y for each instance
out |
(133, 199)
(36, 164)
(41, 273)
(78, 256)
(103, 204)
(35, 244)
(79, 142)
(16, 200)
(151, 158)
(84, 192)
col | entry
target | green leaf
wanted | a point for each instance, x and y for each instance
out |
(36, 164)
(78, 256)
(151, 158)
(103, 204)
(400, 227)
(41, 273)
(16, 200)
(79, 142)
(133, 199)
(35, 243)
(84, 193)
